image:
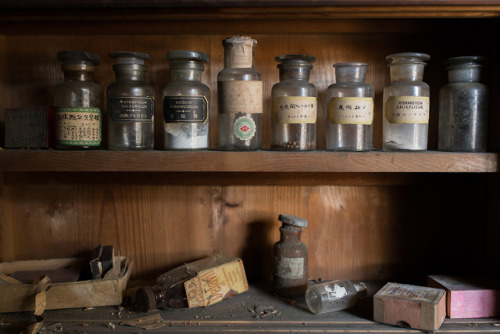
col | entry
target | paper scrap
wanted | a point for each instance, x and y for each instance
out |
(147, 322)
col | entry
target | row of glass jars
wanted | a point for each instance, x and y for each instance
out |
(130, 100)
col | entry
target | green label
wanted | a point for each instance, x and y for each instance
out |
(78, 126)
(244, 128)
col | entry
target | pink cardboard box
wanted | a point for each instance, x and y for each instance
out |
(468, 297)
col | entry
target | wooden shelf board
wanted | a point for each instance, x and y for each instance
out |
(246, 162)
(240, 314)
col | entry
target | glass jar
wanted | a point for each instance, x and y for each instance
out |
(406, 103)
(130, 104)
(294, 105)
(186, 102)
(290, 258)
(239, 90)
(334, 295)
(463, 107)
(350, 109)
(78, 102)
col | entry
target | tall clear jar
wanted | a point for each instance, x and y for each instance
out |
(130, 104)
(463, 107)
(78, 101)
(294, 105)
(406, 103)
(350, 109)
(239, 90)
(186, 102)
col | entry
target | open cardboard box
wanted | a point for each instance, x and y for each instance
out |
(97, 292)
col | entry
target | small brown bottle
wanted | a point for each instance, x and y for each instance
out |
(290, 258)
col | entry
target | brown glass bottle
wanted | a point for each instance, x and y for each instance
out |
(290, 258)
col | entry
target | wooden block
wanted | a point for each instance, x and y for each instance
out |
(410, 306)
(29, 127)
(468, 297)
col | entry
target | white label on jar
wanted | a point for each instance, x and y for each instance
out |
(241, 96)
(290, 268)
(78, 126)
(350, 110)
(295, 109)
(407, 109)
(335, 291)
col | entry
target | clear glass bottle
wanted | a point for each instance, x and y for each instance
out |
(406, 103)
(334, 295)
(186, 102)
(239, 90)
(463, 107)
(290, 258)
(350, 109)
(130, 104)
(294, 105)
(78, 101)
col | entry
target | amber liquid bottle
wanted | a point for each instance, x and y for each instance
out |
(290, 258)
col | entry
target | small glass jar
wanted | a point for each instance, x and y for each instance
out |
(406, 103)
(350, 109)
(78, 102)
(130, 104)
(239, 90)
(334, 295)
(463, 107)
(294, 105)
(186, 102)
(290, 258)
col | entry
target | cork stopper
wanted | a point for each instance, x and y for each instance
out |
(238, 52)
(145, 300)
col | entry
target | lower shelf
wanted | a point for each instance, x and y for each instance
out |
(256, 311)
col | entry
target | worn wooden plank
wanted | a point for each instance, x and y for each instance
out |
(263, 161)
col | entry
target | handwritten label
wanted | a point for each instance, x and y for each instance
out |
(295, 109)
(350, 110)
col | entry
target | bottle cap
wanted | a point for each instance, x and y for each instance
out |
(360, 288)
(407, 57)
(78, 55)
(145, 300)
(126, 57)
(187, 55)
(293, 220)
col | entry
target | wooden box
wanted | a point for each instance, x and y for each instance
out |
(98, 292)
(29, 127)
(410, 306)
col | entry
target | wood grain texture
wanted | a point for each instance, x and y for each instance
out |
(243, 162)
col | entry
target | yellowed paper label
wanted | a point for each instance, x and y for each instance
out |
(241, 96)
(350, 110)
(407, 110)
(241, 54)
(215, 284)
(290, 268)
(295, 109)
(78, 126)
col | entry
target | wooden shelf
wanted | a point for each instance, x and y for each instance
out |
(261, 161)
(239, 314)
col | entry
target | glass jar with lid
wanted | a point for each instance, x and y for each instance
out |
(186, 102)
(294, 105)
(406, 103)
(78, 102)
(130, 104)
(463, 107)
(350, 109)
(239, 90)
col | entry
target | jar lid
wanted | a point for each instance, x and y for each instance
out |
(407, 57)
(127, 57)
(293, 220)
(346, 64)
(465, 60)
(187, 55)
(78, 55)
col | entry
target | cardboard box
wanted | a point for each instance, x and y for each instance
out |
(410, 306)
(468, 297)
(100, 292)
(29, 127)
(216, 283)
